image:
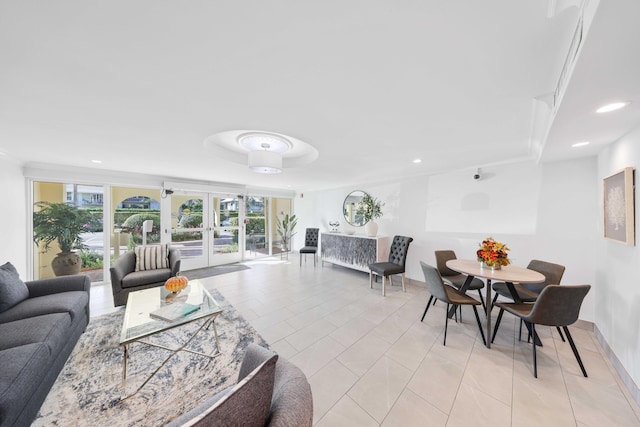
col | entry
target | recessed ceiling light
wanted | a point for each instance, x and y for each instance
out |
(612, 107)
(96, 161)
(580, 144)
(416, 161)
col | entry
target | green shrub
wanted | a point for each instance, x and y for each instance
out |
(193, 220)
(133, 225)
(92, 260)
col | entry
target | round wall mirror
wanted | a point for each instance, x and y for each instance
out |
(350, 208)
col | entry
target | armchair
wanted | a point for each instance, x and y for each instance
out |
(128, 274)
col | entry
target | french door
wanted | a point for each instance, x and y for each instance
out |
(206, 227)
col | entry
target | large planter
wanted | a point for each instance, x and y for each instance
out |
(371, 228)
(66, 264)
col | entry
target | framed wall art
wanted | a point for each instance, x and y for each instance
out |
(619, 214)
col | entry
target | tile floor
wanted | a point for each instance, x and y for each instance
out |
(371, 362)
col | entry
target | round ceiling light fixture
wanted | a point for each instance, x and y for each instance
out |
(264, 152)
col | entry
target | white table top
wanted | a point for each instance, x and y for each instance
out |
(509, 273)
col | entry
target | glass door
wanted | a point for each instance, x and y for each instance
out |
(189, 224)
(205, 227)
(227, 228)
(256, 231)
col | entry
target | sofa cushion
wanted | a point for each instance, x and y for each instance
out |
(151, 257)
(74, 303)
(248, 402)
(22, 371)
(12, 289)
(140, 278)
(50, 329)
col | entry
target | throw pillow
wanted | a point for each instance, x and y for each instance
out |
(249, 402)
(151, 257)
(12, 289)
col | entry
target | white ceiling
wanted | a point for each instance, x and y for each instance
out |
(371, 84)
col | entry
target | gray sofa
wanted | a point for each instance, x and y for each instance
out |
(270, 391)
(125, 278)
(40, 323)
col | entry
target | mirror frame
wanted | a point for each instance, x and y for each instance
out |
(349, 208)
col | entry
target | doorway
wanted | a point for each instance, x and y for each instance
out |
(205, 227)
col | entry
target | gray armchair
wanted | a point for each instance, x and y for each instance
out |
(125, 278)
(271, 391)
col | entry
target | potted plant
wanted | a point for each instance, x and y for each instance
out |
(63, 223)
(285, 227)
(371, 209)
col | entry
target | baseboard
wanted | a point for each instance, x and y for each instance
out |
(584, 324)
(632, 387)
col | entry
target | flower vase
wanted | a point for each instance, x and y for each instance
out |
(492, 267)
(371, 228)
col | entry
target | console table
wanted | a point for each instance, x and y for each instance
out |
(353, 251)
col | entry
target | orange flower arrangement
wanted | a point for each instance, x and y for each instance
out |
(493, 253)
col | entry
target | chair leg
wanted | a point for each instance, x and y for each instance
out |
(427, 308)
(560, 332)
(495, 328)
(446, 323)
(384, 285)
(575, 350)
(371, 280)
(300, 260)
(403, 288)
(484, 306)
(475, 311)
(493, 301)
(533, 345)
(520, 332)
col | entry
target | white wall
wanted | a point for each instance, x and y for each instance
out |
(13, 216)
(547, 212)
(617, 311)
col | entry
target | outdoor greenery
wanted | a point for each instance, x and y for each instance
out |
(191, 220)
(133, 225)
(92, 260)
(63, 223)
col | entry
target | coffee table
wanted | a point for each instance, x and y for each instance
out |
(139, 324)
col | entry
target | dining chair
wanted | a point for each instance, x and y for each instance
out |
(528, 292)
(310, 245)
(447, 294)
(454, 278)
(557, 306)
(395, 264)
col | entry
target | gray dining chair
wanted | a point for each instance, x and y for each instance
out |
(310, 245)
(454, 278)
(395, 265)
(528, 292)
(447, 294)
(557, 306)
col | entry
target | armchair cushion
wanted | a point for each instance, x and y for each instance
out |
(152, 257)
(12, 288)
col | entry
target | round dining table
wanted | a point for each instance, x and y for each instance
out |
(509, 274)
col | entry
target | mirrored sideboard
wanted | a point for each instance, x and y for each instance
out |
(353, 251)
